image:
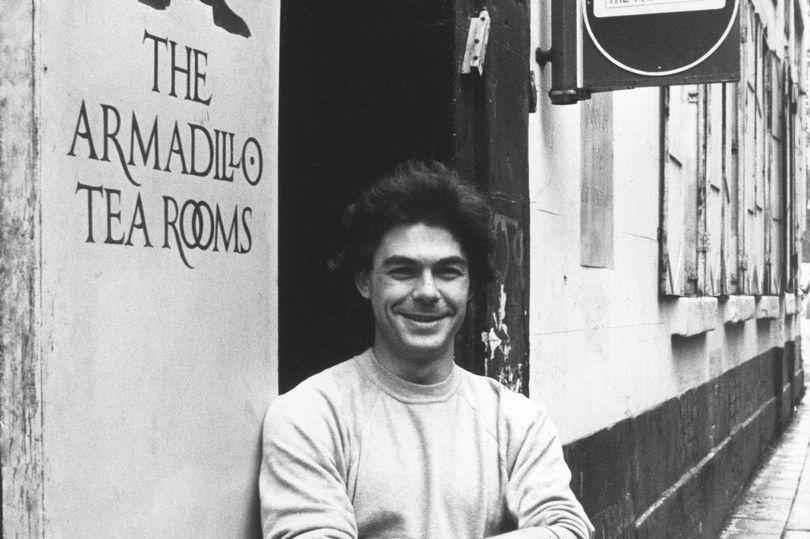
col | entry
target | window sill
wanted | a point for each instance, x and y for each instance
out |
(791, 304)
(693, 316)
(768, 307)
(739, 309)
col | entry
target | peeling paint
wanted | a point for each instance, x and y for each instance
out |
(20, 369)
(496, 339)
(510, 251)
(510, 247)
(506, 308)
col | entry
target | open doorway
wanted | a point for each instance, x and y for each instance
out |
(363, 86)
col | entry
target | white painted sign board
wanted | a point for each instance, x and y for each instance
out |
(158, 133)
(625, 8)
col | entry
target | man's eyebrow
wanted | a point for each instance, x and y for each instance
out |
(398, 259)
(453, 260)
(404, 260)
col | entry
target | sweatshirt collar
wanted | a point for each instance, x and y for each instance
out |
(406, 391)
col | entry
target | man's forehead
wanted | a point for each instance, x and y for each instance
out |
(418, 242)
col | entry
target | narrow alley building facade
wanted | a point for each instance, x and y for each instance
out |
(171, 179)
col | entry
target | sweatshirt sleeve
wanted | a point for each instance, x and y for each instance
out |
(302, 478)
(538, 492)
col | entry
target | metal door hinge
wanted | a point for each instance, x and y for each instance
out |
(476, 49)
(704, 243)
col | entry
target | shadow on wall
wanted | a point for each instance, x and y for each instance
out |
(224, 16)
(254, 526)
(689, 358)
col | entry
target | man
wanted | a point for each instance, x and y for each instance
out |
(399, 441)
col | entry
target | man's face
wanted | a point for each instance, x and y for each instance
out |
(418, 286)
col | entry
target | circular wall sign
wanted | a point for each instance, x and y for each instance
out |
(658, 37)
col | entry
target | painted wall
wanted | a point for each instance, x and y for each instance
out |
(601, 339)
(156, 275)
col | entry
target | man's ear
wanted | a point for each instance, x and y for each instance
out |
(361, 282)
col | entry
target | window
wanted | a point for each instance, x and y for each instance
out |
(728, 211)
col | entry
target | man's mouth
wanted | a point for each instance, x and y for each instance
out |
(421, 317)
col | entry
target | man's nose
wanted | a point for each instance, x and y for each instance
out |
(425, 288)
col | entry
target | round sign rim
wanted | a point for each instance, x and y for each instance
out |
(607, 55)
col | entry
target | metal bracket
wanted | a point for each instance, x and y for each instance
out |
(570, 96)
(543, 56)
(476, 49)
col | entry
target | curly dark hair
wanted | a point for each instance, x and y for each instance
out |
(419, 192)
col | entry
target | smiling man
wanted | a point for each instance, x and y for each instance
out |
(418, 287)
(399, 441)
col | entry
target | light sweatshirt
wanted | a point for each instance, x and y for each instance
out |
(356, 451)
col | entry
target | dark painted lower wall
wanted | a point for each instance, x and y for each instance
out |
(675, 470)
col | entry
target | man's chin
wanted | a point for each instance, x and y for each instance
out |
(426, 351)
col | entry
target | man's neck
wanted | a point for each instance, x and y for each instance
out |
(424, 371)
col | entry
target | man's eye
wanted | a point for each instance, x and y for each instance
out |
(401, 273)
(450, 273)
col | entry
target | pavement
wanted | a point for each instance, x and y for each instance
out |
(777, 501)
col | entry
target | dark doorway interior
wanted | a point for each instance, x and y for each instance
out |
(364, 85)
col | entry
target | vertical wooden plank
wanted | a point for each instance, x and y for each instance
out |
(20, 366)
(744, 149)
(769, 175)
(710, 189)
(787, 179)
(508, 182)
(491, 146)
(693, 179)
(725, 194)
(793, 155)
(596, 211)
(751, 155)
(750, 118)
(665, 281)
(672, 164)
(779, 230)
(739, 276)
(759, 237)
(777, 224)
(768, 168)
(798, 146)
(731, 186)
(754, 234)
(712, 240)
(680, 169)
(797, 180)
(702, 135)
